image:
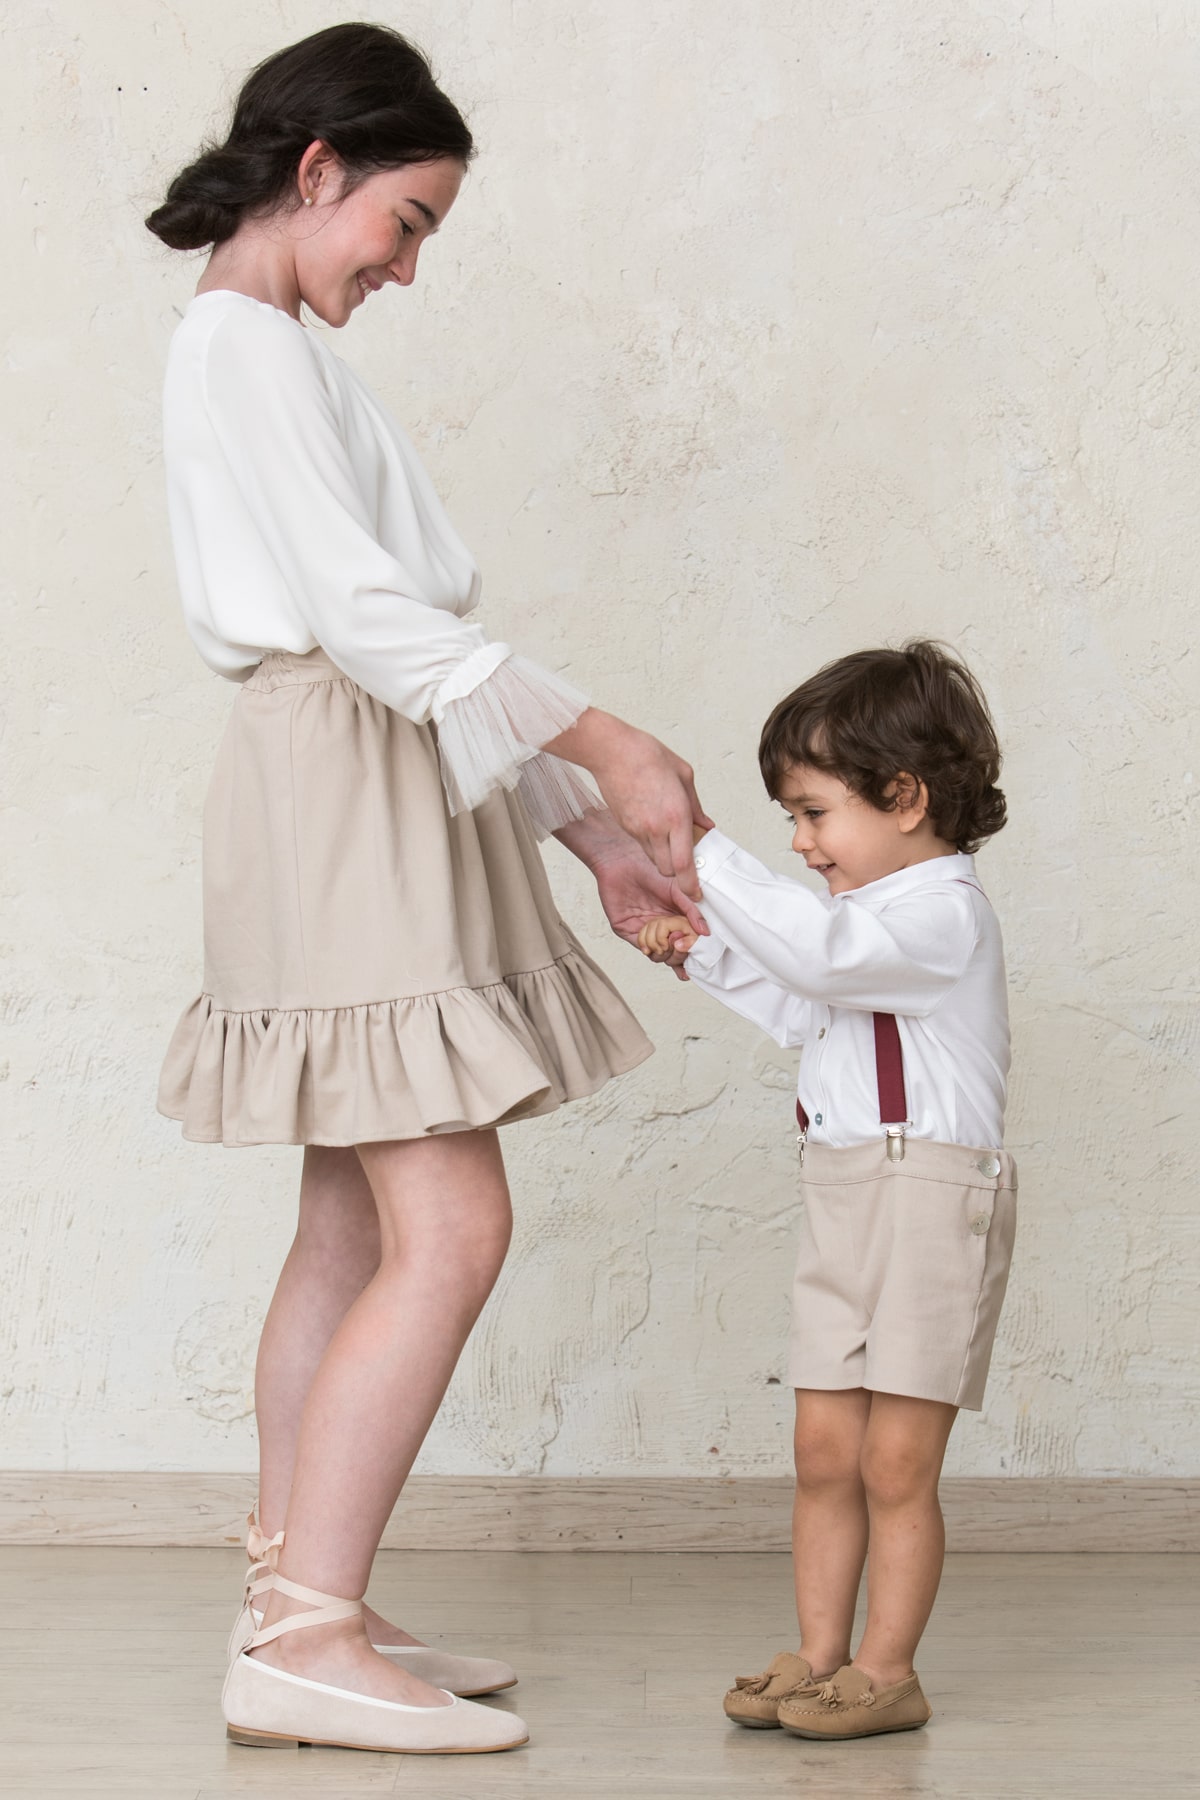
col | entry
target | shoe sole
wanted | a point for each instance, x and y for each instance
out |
(753, 1724)
(841, 1737)
(270, 1740)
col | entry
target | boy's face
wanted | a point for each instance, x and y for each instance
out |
(846, 839)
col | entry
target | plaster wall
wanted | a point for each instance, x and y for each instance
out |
(756, 337)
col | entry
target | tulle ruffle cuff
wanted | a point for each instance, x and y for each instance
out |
(554, 792)
(491, 737)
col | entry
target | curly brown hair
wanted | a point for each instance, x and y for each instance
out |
(878, 714)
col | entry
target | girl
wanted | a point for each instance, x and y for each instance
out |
(886, 764)
(386, 977)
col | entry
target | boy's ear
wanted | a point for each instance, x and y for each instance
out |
(912, 801)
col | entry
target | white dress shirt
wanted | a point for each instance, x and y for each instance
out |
(301, 516)
(923, 944)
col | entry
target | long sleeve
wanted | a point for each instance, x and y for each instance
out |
(721, 972)
(904, 959)
(278, 419)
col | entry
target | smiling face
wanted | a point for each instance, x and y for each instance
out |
(348, 246)
(847, 840)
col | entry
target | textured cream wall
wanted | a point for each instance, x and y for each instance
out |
(747, 345)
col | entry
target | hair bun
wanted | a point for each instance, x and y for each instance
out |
(205, 202)
(194, 223)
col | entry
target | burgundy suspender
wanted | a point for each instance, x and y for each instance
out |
(889, 1074)
(889, 1071)
(889, 1063)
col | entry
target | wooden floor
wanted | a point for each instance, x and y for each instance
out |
(1049, 1676)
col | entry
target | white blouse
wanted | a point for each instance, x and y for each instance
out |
(301, 517)
(810, 970)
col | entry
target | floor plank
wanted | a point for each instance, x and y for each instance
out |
(1052, 1677)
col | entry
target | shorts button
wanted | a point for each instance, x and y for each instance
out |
(989, 1166)
(980, 1223)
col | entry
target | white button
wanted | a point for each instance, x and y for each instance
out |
(821, 1033)
(699, 862)
(980, 1223)
(989, 1166)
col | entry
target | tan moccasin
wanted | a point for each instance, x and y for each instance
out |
(755, 1699)
(847, 1706)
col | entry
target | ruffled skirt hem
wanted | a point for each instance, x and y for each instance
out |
(461, 1060)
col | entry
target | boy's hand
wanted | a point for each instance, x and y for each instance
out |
(661, 939)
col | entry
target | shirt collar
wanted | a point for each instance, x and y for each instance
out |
(906, 881)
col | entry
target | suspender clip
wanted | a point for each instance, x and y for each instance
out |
(801, 1140)
(895, 1143)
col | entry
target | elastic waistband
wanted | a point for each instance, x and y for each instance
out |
(291, 668)
(961, 1165)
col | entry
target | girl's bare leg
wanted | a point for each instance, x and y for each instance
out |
(829, 1521)
(902, 1458)
(444, 1225)
(334, 1255)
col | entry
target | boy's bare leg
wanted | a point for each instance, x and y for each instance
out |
(901, 1461)
(829, 1521)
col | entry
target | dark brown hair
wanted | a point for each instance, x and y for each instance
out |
(363, 90)
(870, 717)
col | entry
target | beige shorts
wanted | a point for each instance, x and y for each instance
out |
(902, 1269)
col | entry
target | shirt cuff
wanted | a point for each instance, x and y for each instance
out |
(462, 680)
(712, 853)
(492, 721)
(705, 955)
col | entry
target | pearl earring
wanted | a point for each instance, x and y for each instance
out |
(308, 199)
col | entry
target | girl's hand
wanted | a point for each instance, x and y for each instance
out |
(650, 791)
(633, 895)
(664, 938)
(632, 892)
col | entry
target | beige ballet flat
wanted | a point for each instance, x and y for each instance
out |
(272, 1708)
(467, 1677)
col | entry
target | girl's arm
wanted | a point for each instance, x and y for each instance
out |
(270, 404)
(278, 422)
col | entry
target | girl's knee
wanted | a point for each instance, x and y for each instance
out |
(345, 1248)
(469, 1252)
(485, 1254)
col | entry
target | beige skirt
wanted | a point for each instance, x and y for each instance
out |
(373, 967)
